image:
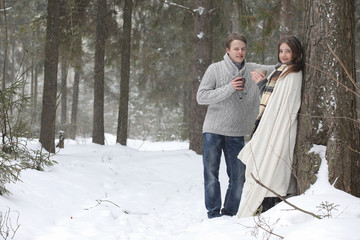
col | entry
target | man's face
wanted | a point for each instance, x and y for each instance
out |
(237, 51)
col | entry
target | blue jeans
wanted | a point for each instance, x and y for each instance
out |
(213, 145)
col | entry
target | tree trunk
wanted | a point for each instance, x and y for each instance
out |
(5, 46)
(32, 90)
(75, 103)
(47, 132)
(77, 53)
(63, 118)
(98, 117)
(328, 111)
(122, 130)
(286, 17)
(202, 59)
(35, 118)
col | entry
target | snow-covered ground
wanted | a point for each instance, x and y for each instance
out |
(154, 191)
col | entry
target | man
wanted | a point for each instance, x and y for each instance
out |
(233, 107)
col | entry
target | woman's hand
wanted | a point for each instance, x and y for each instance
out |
(256, 77)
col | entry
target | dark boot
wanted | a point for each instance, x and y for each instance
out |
(267, 203)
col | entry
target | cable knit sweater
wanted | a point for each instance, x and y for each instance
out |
(230, 112)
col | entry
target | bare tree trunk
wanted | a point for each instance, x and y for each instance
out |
(47, 132)
(122, 130)
(12, 75)
(77, 53)
(98, 118)
(74, 106)
(237, 5)
(286, 17)
(202, 59)
(35, 118)
(5, 46)
(328, 112)
(64, 70)
(32, 89)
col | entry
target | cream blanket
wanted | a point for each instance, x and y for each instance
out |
(269, 154)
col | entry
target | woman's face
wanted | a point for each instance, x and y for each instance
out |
(285, 53)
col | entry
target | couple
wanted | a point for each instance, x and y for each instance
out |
(233, 92)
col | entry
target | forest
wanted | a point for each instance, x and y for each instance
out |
(130, 68)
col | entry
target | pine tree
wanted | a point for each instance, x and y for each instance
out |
(202, 59)
(98, 117)
(328, 112)
(47, 133)
(122, 132)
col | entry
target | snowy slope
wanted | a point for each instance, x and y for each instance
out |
(154, 191)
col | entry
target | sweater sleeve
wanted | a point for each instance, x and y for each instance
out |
(210, 90)
(262, 85)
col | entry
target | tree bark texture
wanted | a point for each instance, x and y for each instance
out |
(34, 94)
(5, 47)
(74, 106)
(202, 59)
(122, 130)
(63, 118)
(77, 53)
(286, 17)
(328, 112)
(98, 117)
(47, 132)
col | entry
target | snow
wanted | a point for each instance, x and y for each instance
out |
(200, 35)
(154, 191)
(200, 10)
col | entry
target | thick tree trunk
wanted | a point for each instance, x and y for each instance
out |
(202, 59)
(286, 17)
(79, 18)
(328, 111)
(122, 130)
(98, 117)
(47, 132)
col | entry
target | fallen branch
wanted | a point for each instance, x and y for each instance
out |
(262, 224)
(100, 201)
(6, 225)
(283, 199)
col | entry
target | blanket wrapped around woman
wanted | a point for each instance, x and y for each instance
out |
(269, 153)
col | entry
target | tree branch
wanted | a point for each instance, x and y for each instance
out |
(283, 199)
(316, 68)
(100, 201)
(266, 227)
(345, 69)
(345, 118)
(179, 6)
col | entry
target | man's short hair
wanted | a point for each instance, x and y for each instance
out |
(235, 36)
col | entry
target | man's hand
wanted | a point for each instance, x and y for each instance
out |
(238, 83)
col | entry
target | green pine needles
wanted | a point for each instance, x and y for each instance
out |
(15, 155)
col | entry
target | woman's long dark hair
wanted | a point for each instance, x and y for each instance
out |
(297, 61)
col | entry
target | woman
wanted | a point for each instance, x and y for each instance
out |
(268, 155)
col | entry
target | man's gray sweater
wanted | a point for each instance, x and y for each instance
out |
(230, 112)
